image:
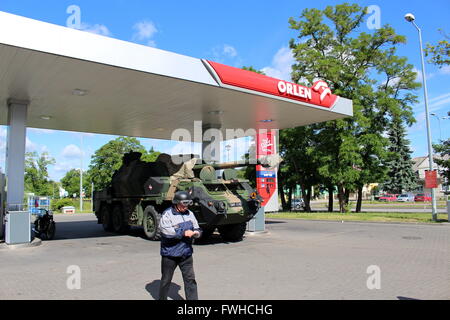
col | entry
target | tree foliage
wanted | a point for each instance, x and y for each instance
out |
(401, 176)
(71, 183)
(253, 69)
(108, 158)
(360, 66)
(440, 52)
(443, 150)
(37, 180)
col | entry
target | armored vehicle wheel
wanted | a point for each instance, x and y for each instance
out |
(151, 223)
(106, 218)
(233, 232)
(118, 223)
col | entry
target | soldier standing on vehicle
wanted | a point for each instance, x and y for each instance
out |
(178, 227)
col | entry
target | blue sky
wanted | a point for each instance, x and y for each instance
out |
(237, 33)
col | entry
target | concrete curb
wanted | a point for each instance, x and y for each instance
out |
(34, 243)
(256, 233)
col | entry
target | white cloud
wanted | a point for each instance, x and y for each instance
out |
(145, 30)
(62, 167)
(281, 66)
(445, 70)
(30, 146)
(225, 54)
(434, 104)
(71, 151)
(438, 98)
(229, 51)
(96, 28)
(419, 76)
(3, 135)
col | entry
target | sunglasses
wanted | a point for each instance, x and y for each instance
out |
(186, 202)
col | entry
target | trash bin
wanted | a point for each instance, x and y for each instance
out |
(68, 209)
(257, 223)
(17, 227)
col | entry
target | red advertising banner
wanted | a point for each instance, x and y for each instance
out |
(266, 179)
(319, 94)
(431, 179)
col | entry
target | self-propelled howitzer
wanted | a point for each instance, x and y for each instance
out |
(140, 191)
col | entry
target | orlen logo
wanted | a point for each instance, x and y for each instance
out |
(319, 94)
(266, 146)
(293, 89)
(322, 88)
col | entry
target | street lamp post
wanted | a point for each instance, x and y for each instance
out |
(227, 148)
(439, 124)
(81, 175)
(410, 18)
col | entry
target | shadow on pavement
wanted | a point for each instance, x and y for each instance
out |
(153, 289)
(273, 222)
(215, 238)
(406, 298)
(80, 230)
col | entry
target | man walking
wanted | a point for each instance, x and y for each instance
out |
(178, 227)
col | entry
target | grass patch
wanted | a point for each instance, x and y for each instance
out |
(371, 204)
(363, 216)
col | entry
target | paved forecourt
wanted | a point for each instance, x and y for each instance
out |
(295, 259)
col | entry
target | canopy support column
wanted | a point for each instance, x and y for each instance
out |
(18, 221)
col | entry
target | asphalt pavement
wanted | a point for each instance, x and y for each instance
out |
(293, 259)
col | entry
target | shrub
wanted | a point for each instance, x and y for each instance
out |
(57, 205)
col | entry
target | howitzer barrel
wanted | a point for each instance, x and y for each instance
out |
(269, 161)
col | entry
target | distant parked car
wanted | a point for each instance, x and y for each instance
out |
(422, 197)
(405, 197)
(388, 197)
(298, 204)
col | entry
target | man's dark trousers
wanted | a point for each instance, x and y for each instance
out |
(168, 266)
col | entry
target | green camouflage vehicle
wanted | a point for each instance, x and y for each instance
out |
(140, 191)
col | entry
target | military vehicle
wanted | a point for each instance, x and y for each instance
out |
(140, 191)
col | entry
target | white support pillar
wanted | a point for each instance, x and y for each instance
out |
(211, 140)
(15, 167)
(15, 152)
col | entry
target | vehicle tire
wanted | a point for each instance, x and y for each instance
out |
(119, 225)
(207, 233)
(50, 233)
(233, 232)
(151, 223)
(106, 218)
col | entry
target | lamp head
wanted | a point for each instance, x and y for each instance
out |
(409, 17)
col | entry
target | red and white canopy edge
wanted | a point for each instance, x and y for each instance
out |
(78, 81)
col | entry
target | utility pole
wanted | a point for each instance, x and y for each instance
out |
(81, 174)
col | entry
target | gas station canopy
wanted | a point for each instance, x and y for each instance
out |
(78, 81)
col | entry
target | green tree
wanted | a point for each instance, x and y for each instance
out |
(253, 69)
(440, 52)
(150, 156)
(71, 183)
(443, 150)
(301, 163)
(108, 158)
(331, 47)
(401, 176)
(36, 174)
